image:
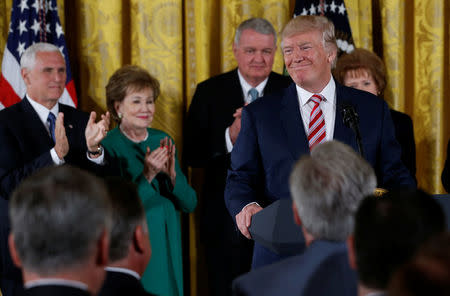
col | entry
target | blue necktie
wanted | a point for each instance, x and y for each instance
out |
(253, 94)
(51, 124)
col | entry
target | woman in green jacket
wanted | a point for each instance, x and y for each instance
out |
(147, 156)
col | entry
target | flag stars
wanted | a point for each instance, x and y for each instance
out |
(304, 11)
(21, 48)
(342, 9)
(61, 49)
(36, 27)
(22, 27)
(23, 5)
(59, 30)
(47, 28)
(333, 7)
(312, 10)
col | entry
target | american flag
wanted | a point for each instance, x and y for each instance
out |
(32, 21)
(334, 10)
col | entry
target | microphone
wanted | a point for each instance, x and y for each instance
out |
(351, 120)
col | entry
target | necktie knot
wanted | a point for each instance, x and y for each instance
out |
(316, 98)
(51, 119)
(253, 94)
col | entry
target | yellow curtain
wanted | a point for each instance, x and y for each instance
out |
(183, 42)
(415, 43)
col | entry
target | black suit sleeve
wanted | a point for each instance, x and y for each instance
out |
(404, 134)
(13, 168)
(446, 172)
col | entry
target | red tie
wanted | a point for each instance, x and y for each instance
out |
(316, 133)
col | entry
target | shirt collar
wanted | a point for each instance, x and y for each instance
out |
(246, 86)
(328, 92)
(41, 110)
(57, 282)
(123, 270)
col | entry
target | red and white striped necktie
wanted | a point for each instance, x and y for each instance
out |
(317, 132)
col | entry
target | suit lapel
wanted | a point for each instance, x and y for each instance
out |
(292, 122)
(341, 132)
(33, 126)
(236, 92)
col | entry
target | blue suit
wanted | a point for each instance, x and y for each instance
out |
(272, 139)
(322, 270)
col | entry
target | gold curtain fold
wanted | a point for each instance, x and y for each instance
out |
(360, 18)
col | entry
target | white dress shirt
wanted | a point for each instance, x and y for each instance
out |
(247, 99)
(43, 112)
(328, 106)
(56, 282)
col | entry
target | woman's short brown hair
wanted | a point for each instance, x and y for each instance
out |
(127, 79)
(361, 59)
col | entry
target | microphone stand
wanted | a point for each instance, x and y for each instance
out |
(351, 120)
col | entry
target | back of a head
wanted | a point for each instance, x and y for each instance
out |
(428, 273)
(389, 230)
(57, 217)
(127, 214)
(327, 187)
(257, 24)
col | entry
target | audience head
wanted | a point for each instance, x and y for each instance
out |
(43, 70)
(60, 220)
(428, 273)
(389, 230)
(327, 187)
(255, 43)
(361, 69)
(309, 49)
(129, 242)
(131, 84)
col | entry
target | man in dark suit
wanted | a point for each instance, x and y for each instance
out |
(326, 188)
(39, 132)
(60, 224)
(212, 126)
(388, 232)
(281, 127)
(129, 246)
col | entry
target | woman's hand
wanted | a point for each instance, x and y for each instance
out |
(169, 168)
(154, 162)
(96, 132)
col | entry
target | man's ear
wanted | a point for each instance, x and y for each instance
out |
(13, 251)
(24, 73)
(297, 219)
(351, 252)
(102, 254)
(332, 55)
(138, 239)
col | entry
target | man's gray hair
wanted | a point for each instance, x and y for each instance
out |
(327, 187)
(127, 214)
(28, 58)
(57, 218)
(257, 24)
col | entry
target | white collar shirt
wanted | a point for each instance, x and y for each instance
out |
(56, 282)
(328, 106)
(246, 87)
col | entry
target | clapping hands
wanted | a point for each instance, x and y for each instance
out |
(159, 160)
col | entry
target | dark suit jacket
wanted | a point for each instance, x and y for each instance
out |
(121, 284)
(404, 133)
(25, 148)
(210, 113)
(446, 172)
(273, 138)
(54, 290)
(323, 269)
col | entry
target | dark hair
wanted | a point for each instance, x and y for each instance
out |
(361, 60)
(127, 214)
(125, 80)
(428, 273)
(389, 230)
